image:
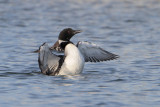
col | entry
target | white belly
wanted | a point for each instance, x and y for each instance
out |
(74, 61)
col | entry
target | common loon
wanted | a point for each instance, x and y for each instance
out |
(72, 62)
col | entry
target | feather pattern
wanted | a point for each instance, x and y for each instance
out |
(93, 53)
(49, 63)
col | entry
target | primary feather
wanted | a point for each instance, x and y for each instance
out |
(93, 53)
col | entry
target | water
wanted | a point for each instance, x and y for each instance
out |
(130, 29)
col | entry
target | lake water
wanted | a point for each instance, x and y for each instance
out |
(129, 28)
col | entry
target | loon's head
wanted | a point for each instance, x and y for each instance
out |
(67, 34)
(64, 36)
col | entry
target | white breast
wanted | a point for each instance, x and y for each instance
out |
(74, 61)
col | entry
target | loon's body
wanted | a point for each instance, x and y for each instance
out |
(72, 62)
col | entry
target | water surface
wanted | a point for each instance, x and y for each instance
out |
(128, 28)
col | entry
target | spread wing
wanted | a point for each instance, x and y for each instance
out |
(49, 63)
(93, 53)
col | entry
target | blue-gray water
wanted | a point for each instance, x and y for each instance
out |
(129, 28)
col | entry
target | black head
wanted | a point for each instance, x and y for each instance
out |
(66, 34)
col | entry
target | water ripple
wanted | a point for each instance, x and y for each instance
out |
(127, 28)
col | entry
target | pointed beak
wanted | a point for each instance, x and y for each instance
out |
(77, 31)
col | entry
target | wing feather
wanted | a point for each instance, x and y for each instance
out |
(93, 53)
(49, 63)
